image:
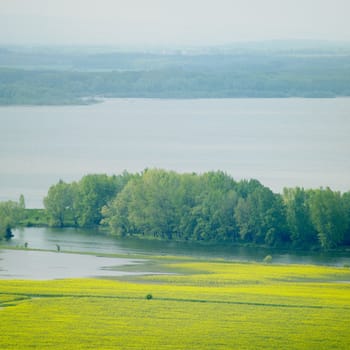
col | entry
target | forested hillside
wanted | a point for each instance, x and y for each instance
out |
(207, 207)
(58, 77)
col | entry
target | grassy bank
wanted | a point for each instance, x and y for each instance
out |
(210, 305)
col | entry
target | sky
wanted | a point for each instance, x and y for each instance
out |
(170, 22)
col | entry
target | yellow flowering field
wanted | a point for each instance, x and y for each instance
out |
(214, 305)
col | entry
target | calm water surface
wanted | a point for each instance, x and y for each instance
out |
(72, 240)
(34, 265)
(281, 142)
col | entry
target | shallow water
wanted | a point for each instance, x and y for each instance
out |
(38, 265)
(83, 240)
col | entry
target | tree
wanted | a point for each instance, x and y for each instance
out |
(298, 215)
(58, 203)
(277, 233)
(245, 219)
(80, 203)
(261, 217)
(11, 214)
(328, 217)
(125, 214)
(213, 212)
(168, 205)
(21, 202)
(346, 206)
(93, 192)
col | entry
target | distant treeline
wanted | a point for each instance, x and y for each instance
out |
(207, 207)
(171, 76)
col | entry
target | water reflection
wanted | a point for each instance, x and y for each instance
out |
(74, 240)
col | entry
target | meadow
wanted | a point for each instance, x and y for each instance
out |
(199, 304)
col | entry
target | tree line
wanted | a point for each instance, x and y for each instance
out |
(167, 76)
(202, 207)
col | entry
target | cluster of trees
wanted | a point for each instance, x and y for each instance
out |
(80, 203)
(208, 207)
(11, 214)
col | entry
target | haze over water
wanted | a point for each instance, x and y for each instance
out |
(280, 142)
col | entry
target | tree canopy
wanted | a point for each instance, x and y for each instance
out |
(11, 213)
(202, 207)
(80, 203)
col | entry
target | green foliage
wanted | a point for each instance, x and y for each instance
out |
(207, 207)
(11, 215)
(346, 206)
(214, 207)
(80, 203)
(328, 217)
(58, 203)
(171, 76)
(268, 259)
(261, 217)
(297, 204)
(34, 217)
(93, 191)
(197, 207)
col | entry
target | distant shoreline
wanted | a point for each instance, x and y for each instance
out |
(101, 100)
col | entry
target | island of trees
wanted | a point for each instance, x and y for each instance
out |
(210, 207)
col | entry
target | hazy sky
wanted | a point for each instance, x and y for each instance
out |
(167, 22)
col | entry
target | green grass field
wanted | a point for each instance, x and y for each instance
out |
(210, 305)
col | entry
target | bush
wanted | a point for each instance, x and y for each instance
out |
(149, 296)
(268, 259)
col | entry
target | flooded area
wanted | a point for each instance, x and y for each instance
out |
(40, 265)
(73, 261)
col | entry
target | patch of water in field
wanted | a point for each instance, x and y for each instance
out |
(39, 265)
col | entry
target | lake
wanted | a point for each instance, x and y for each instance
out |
(281, 142)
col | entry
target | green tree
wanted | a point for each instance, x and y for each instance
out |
(21, 202)
(92, 193)
(11, 214)
(213, 212)
(168, 205)
(186, 200)
(58, 203)
(302, 232)
(328, 216)
(245, 218)
(261, 217)
(124, 213)
(346, 206)
(146, 205)
(277, 233)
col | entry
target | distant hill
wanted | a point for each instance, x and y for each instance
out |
(267, 69)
